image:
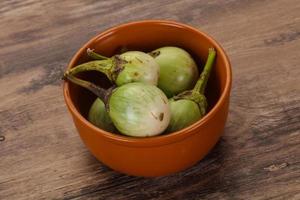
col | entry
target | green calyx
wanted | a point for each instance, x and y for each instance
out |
(131, 66)
(196, 97)
(111, 67)
(138, 67)
(197, 93)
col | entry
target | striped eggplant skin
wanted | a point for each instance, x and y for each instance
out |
(184, 113)
(178, 70)
(139, 110)
(99, 117)
(137, 67)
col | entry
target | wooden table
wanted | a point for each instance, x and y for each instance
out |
(42, 156)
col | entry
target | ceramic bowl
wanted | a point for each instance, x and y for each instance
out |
(164, 154)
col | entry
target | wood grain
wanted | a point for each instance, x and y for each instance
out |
(41, 155)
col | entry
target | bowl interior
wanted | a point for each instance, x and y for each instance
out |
(147, 37)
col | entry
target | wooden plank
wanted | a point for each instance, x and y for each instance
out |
(41, 155)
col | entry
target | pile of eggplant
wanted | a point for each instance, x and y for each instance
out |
(151, 93)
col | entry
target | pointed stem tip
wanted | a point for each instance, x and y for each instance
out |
(91, 53)
(202, 81)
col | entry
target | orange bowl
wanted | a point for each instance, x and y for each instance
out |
(164, 154)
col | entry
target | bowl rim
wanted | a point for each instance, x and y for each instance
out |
(160, 139)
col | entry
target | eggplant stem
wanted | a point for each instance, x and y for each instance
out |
(103, 66)
(98, 91)
(91, 53)
(202, 81)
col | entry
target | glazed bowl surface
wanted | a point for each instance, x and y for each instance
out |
(167, 153)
